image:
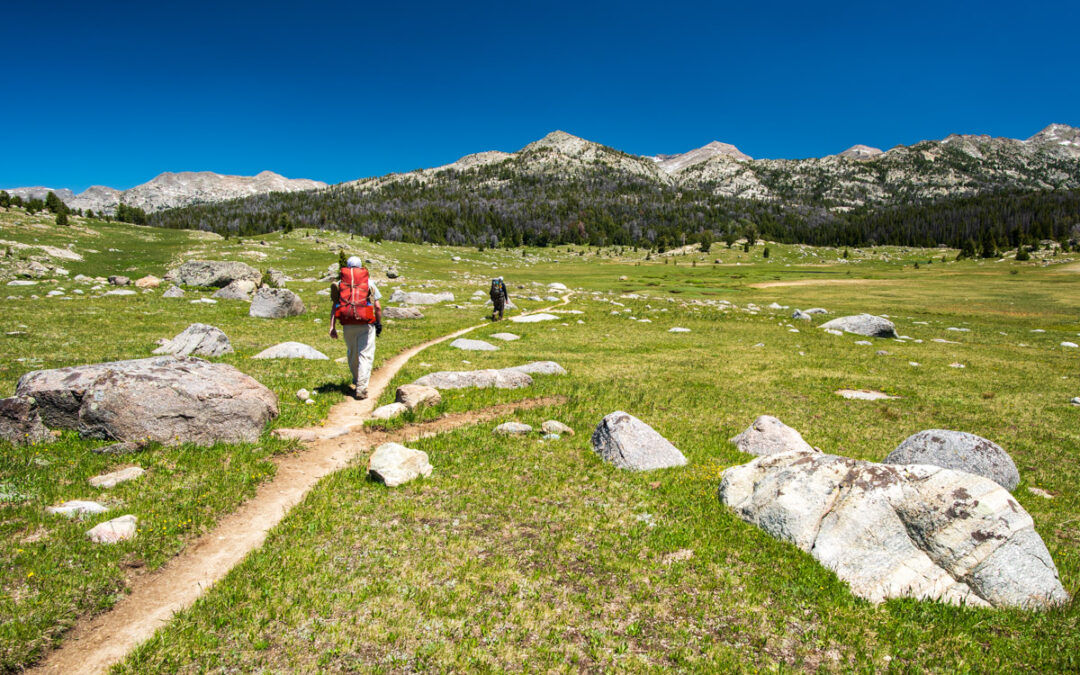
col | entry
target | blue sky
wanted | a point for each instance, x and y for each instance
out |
(115, 93)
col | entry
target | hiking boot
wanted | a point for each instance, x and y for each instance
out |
(361, 394)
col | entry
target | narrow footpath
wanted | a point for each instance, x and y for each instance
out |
(94, 645)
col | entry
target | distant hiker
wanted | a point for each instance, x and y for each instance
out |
(356, 306)
(499, 297)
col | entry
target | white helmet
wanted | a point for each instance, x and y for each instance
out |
(354, 261)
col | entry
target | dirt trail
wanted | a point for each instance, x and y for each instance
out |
(96, 644)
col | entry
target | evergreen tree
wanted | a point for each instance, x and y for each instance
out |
(765, 253)
(34, 205)
(5, 199)
(53, 203)
(62, 217)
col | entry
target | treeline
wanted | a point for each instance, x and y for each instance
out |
(494, 206)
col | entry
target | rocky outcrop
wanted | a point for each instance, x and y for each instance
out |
(769, 436)
(628, 443)
(890, 531)
(165, 399)
(862, 324)
(215, 273)
(417, 298)
(394, 464)
(291, 350)
(198, 339)
(401, 313)
(482, 379)
(20, 422)
(276, 303)
(958, 450)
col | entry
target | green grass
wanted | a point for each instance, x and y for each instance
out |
(518, 554)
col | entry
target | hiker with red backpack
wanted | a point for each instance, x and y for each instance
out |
(356, 306)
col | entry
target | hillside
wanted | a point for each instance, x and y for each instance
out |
(171, 190)
(565, 189)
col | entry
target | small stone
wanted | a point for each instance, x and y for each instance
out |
(77, 508)
(1070, 345)
(512, 429)
(115, 530)
(505, 337)
(292, 350)
(957, 365)
(769, 436)
(119, 280)
(394, 464)
(413, 396)
(473, 345)
(388, 411)
(882, 352)
(1039, 492)
(149, 281)
(678, 329)
(120, 292)
(114, 478)
(303, 394)
(173, 292)
(865, 343)
(864, 394)
(556, 427)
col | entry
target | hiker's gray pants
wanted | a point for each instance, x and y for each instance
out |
(360, 339)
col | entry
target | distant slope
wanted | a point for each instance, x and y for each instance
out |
(172, 190)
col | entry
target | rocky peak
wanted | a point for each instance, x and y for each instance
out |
(675, 163)
(1058, 136)
(861, 152)
(562, 142)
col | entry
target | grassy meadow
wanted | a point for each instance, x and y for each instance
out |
(525, 554)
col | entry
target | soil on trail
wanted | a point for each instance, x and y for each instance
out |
(818, 282)
(95, 644)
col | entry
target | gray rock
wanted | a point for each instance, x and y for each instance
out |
(165, 399)
(482, 379)
(413, 396)
(556, 427)
(22, 282)
(401, 313)
(118, 280)
(217, 273)
(77, 508)
(275, 303)
(505, 337)
(199, 339)
(276, 278)
(388, 411)
(769, 436)
(416, 298)
(556, 286)
(863, 394)
(125, 448)
(394, 464)
(815, 310)
(862, 324)
(114, 478)
(20, 421)
(801, 315)
(678, 329)
(115, 530)
(533, 318)
(120, 292)
(241, 289)
(473, 345)
(149, 281)
(958, 450)
(392, 273)
(539, 368)
(173, 292)
(292, 350)
(890, 531)
(629, 443)
(1075, 400)
(512, 429)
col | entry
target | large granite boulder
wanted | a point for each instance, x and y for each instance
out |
(394, 464)
(462, 379)
(219, 273)
(862, 324)
(769, 436)
(958, 450)
(629, 443)
(20, 421)
(165, 399)
(892, 531)
(199, 339)
(275, 303)
(401, 313)
(417, 298)
(241, 289)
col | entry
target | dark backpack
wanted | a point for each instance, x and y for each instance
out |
(498, 291)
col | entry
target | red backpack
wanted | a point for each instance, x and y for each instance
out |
(354, 306)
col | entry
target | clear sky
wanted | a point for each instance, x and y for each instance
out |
(114, 93)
